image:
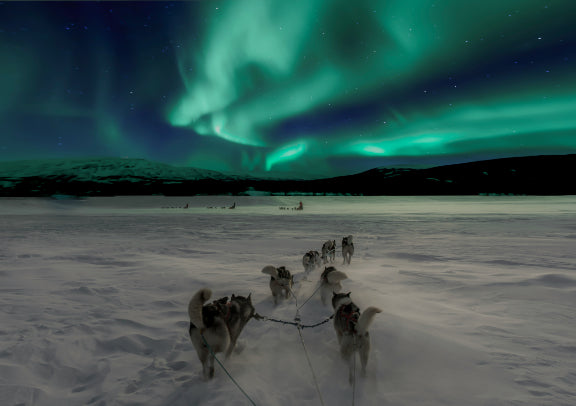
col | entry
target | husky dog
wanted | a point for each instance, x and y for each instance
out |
(329, 251)
(311, 260)
(330, 282)
(216, 327)
(347, 249)
(352, 330)
(240, 311)
(281, 281)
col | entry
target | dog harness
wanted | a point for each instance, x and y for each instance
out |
(351, 314)
(283, 273)
(225, 310)
(209, 313)
(329, 246)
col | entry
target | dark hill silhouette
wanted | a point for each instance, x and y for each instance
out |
(534, 175)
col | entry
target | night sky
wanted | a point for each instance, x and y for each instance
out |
(288, 87)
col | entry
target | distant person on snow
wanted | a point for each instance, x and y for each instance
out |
(300, 207)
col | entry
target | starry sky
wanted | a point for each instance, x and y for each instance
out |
(299, 88)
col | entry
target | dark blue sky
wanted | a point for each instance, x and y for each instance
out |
(306, 87)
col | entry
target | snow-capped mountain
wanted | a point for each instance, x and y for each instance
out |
(102, 169)
(98, 176)
(536, 175)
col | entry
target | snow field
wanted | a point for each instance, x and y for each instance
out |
(478, 297)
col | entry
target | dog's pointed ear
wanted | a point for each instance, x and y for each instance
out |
(233, 296)
(348, 294)
(334, 293)
(250, 297)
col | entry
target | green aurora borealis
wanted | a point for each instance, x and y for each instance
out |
(301, 87)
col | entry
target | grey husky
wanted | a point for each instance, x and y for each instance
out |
(329, 251)
(281, 282)
(215, 327)
(352, 330)
(330, 282)
(347, 249)
(311, 260)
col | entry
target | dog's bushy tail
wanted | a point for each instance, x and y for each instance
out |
(270, 270)
(195, 306)
(336, 276)
(366, 319)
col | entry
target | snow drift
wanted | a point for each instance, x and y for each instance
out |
(477, 293)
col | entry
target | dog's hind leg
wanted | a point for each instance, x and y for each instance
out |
(211, 366)
(348, 354)
(351, 366)
(230, 349)
(364, 350)
(347, 255)
(204, 358)
(275, 297)
(231, 346)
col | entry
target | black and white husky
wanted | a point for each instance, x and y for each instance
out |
(281, 282)
(311, 261)
(329, 251)
(352, 330)
(330, 282)
(215, 327)
(347, 249)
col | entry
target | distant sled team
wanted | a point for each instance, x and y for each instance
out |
(187, 206)
(223, 207)
(299, 207)
(215, 327)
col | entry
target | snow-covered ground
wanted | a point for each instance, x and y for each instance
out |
(478, 293)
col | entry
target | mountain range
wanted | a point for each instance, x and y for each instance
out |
(534, 175)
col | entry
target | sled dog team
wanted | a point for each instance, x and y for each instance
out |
(215, 327)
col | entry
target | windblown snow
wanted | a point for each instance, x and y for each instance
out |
(478, 297)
